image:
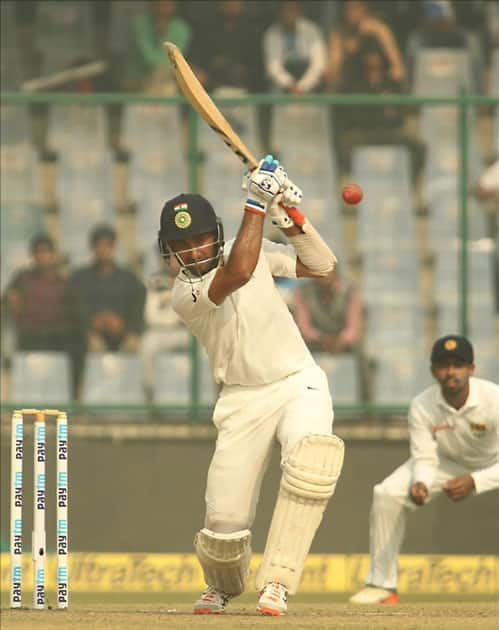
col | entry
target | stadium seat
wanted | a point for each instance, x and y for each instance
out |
(400, 377)
(20, 175)
(112, 378)
(301, 137)
(386, 222)
(64, 33)
(448, 317)
(81, 129)
(151, 192)
(15, 126)
(487, 367)
(442, 71)
(84, 189)
(380, 166)
(393, 328)
(173, 380)
(343, 376)
(40, 377)
(152, 133)
(390, 277)
(157, 168)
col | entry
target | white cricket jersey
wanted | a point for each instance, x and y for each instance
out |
(251, 338)
(468, 436)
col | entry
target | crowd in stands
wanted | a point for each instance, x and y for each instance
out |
(254, 45)
(104, 307)
(235, 47)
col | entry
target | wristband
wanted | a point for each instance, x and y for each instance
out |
(255, 206)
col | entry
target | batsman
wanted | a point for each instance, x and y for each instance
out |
(271, 387)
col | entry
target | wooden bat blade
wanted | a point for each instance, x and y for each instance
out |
(197, 96)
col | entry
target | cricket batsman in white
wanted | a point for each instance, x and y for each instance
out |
(454, 441)
(271, 387)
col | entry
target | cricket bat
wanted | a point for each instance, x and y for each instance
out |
(197, 96)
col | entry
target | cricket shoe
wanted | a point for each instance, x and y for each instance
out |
(212, 602)
(375, 595)
(273, 599)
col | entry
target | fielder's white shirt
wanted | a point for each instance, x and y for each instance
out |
(251, 338)
(468, 436)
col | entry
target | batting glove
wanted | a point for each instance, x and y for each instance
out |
(292, 196)
(263, 184)
(283, 216)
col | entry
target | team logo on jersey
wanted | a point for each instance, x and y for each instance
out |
(180, 206)
(478, 427)
(450, 344)
(183, 219)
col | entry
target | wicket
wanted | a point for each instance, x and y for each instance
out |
(38, 542)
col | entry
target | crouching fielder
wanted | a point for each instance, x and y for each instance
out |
(454, 435)
(271, 386)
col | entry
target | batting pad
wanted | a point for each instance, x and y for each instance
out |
(224, 558)
(309, 477)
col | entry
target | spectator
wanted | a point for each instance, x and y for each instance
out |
(364, 58)
(345, 72)
(35, 300)
(149, 69)
(439, 28)
(224, 53)
(329, 314)
(164, 332)
(106, 303)
(294, 51)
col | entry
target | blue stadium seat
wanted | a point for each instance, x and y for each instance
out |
(151, 192)
(80, 129)
(84, 188)
(152, 134)
(173, 380)
(343, 376)
(487, 367)
(393, 328)
(301, 136)
(112, 377)
(390, 277)
(382, 165)
(40, 378)
(400, 377)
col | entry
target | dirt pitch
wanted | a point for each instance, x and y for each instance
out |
(324, 612)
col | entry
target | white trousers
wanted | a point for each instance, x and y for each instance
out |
(388, 518)
(248, 420)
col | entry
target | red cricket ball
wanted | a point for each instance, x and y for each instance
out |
(352, 194)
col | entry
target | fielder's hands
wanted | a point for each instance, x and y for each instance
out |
(263, 184)
(459, 487)
(418, 493)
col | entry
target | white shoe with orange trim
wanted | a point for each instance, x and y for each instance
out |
(375, 595)
(211, 602)
(273, 599)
